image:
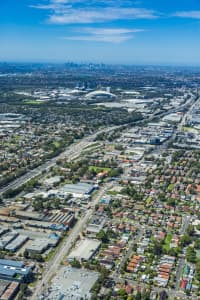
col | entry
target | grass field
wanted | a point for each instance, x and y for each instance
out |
(32, 102)
(98, 169)
(17, 137)
(168, 241)
(149, 201)
(56, 144)
(113, 193)
(170, 187)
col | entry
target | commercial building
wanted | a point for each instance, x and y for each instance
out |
(3, 286)
(16, 243)
(52, 180)
(3, 230)
(96, 224)
(173, 118)
(14, 271)
(10, 291)
(71, 283)
(22, 214)
(78, 190)
(38, 246)
(85, 250)
(7, 238)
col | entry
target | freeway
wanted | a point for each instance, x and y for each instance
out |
(71, 152)
(75, 149)
(193, 103)
(54, 264)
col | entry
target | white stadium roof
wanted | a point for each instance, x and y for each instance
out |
(99, 94)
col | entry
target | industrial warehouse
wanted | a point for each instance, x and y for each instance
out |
(85, 250)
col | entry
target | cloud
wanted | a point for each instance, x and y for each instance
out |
(111, 35)
(93, 11)
(111, 31)
(194, 14)
(106, 39)
(103, 15)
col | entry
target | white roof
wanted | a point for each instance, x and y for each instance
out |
(99, 93)
(85, 249)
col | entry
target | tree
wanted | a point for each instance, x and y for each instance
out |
(22, 291)
(198, 270)
(157, 248)
(191, 255)
(133, 193)
(103, 236)
(171, 202)
(119, 147)
(190, 230)
(38, 204)
(122, 294)
(146, 295)
(185, 240)
(138, 296)
(76, 264)
(198, 227)
(197, 244)
(161, 197)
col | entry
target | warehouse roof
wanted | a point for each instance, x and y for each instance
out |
(13, 263)
(81, 187)
(85, 249)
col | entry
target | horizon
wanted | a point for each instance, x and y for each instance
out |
(53, 62)
(113, 32)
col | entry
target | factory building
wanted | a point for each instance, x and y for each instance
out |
(15, 271)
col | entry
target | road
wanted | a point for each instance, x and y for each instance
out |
(71, 152)
(54, 264)
(75, 149)
(137, 238)
(179, 272)
(185, 225)
(193, 103)
(181, 261)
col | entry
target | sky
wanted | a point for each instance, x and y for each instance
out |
(161, 32)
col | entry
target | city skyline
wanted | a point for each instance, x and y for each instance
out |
(127, 32)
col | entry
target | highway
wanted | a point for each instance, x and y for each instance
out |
(54, 264)
(193, 103)
(75, 149)
(71, 152)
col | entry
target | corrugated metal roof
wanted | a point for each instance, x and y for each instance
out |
(12, 263)
(7, 272)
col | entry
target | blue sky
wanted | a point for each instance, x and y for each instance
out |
(110, 31)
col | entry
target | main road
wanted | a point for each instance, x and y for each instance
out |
(75, 149)
(71, 152)
(54, 264)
